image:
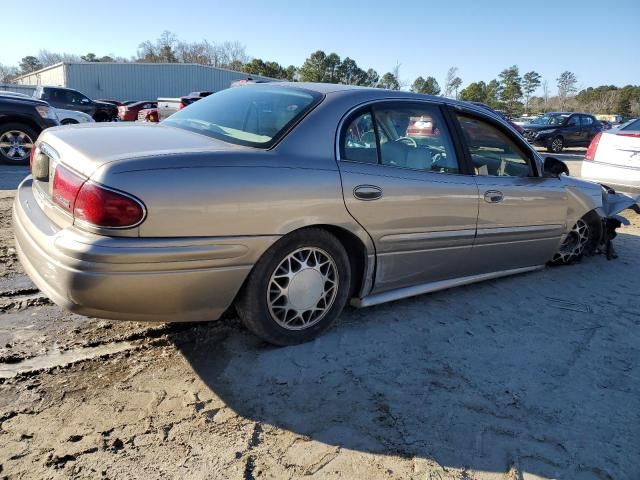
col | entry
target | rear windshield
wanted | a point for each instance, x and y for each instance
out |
(254, 116)
(632, 125)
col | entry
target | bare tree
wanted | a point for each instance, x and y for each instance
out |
(567, 82)
(449, 85)
(8, 73)
(46, 58)
(545, 90)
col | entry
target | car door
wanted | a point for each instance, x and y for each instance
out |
(403, 183)
(79, 102)
(589, 128)
(521, 214)
(572, 131)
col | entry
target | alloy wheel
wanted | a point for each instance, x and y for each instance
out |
(302, 288)
(557, 144)
(16, 145)
(575, 243)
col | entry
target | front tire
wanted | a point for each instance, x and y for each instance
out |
(297, 289)
(583, 239)
(556, 145)
(16, 143)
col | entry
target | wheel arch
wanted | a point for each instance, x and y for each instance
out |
(361, 260)
(20, 119)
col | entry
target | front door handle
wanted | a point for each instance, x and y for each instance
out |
(493, 196)
(367, 192)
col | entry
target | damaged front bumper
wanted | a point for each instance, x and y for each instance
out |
(613, 203)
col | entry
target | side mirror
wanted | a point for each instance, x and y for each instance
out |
(554, 167)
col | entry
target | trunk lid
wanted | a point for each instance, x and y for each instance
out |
(87, 147)
(618, 149)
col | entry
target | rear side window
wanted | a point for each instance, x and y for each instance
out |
(586, 121)
(252, 116)
(492, 151)
(574, 121)
(359, 142)
(410, 136)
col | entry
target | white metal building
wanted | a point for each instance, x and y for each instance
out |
(135, 81)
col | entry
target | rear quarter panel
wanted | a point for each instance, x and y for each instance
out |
(231, 194)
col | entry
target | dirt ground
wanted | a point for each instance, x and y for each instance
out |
(528, 377)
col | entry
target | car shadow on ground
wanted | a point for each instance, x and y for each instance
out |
(534, 371)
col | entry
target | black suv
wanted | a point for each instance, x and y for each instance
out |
(21, 121)
(71, 99)
(558, 130)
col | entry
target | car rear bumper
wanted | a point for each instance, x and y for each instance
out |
(622, 179)
(182, 279)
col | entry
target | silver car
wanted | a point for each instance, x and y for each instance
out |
(289, 200)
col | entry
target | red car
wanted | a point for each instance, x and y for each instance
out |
(423, 126)
(148, 115)
(129, 113)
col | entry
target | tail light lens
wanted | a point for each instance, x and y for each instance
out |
(593, 147)
(94, 204)
(66, 185)
(103, 207)
(182, 105)
(629, 134)
(32, 154)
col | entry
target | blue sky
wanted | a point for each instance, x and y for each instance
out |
(597, 40)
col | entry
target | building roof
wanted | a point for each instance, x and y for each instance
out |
(134, 64)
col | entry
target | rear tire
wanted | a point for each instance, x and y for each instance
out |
(556, 145)
(297, 289)
(16, 142)
(583, 239)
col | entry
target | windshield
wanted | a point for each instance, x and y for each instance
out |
(252, 116)
(550, 120)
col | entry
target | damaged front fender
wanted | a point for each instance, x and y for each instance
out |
(613, 204)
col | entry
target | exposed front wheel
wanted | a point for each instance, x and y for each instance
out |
(582, 239)
(556, 145)
(297, 289)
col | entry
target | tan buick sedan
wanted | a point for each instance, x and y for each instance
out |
(289, 200)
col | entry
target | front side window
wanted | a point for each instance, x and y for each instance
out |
(492, 151)
(574, 121)
(413, 137)
(252, 116)
(586, 121)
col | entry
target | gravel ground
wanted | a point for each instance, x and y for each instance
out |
(533, 376)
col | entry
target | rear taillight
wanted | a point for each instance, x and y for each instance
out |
(629, 134)
(31, 155)
(593, 147)
(103, 207)
(95, 204)
(182, 105)
(66, 186)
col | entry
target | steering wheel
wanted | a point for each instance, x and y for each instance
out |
(408, 140)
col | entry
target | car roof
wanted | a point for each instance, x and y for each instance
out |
(568, 113)
(374, 93)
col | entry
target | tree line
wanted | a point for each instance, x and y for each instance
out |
(510, 91)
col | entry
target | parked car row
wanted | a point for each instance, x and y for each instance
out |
(69, 99)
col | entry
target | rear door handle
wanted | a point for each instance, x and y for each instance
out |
(367, 192)
(493, 196)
